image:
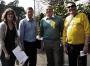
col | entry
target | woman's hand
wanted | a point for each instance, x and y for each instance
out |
(7, 56)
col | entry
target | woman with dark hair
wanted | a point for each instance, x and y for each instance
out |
(8, 35)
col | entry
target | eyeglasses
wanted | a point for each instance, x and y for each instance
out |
(71, 6)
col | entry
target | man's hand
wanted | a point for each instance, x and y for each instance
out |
(65, 49)
(85, 49)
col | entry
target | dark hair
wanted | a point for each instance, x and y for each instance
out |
(29, 8)
(4, 15)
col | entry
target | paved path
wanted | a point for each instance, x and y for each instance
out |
(41, 60)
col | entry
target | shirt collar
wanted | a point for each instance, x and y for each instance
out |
(29, 19)
(53, 16)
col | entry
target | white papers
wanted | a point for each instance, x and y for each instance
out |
(82, 53)
(20, 55)
(39, 38)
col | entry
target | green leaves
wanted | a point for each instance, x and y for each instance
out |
(60, 10)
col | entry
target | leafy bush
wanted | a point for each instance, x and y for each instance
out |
(85, 8)
(60, 9)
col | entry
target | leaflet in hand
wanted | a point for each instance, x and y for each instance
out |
(20, 55)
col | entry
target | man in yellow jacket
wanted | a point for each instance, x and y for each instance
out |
(76, 36)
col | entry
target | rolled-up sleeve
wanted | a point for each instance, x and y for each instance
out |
(21, 30)
(86, 25)
(1, 37)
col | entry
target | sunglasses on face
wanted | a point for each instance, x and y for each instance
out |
(71, 6)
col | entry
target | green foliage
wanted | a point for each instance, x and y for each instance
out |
(2, 7)
(41, 16)
(60, 10)
(85, 8)
(20, 12)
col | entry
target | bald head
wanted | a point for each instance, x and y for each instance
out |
(49, 11)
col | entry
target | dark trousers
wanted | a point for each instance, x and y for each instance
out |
(74, 55)
(10, 62)
(54, 53)
(31, 51)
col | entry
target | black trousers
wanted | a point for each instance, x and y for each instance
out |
(74, 55)
(31, 51)
(10, 62)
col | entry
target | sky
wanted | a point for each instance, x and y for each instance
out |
(23, 3)
(39, 6)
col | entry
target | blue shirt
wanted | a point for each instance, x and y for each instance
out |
(27, 30)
